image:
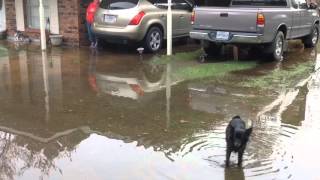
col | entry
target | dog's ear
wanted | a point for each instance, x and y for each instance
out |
(229, 132)
(248, 132)
(236, 117)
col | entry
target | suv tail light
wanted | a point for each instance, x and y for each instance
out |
(136, 88)
(137, 19)
(260, 20)
(193, 17)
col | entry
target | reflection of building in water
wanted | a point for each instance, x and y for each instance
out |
(24, 76)
(5, 78)
(55, 78)
(14, 76)
(25, 84)
(25, 141)
(22, 85)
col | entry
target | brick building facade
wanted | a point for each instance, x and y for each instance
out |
(65, 17)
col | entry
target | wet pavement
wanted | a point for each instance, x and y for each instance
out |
(79, 114)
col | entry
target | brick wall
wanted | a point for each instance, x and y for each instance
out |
(71, 21)
(10, 17)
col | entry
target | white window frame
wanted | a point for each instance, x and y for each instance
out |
(32, 9)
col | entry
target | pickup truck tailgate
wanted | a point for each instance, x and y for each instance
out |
(226, 19)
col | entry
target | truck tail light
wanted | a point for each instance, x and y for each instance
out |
(260, 20)
(193, 17)
(137, 19)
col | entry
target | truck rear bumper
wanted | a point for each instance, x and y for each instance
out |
(234, 37)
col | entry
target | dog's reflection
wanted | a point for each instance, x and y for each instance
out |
(234, 174)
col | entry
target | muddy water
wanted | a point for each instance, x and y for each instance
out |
(76, 114)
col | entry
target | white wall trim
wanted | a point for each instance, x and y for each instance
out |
(20, 15)
(54, 16)
(3, 25)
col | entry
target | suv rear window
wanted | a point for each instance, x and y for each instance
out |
(118, 4)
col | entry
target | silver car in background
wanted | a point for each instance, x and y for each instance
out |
(141, 21)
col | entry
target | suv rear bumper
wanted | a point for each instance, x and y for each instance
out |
(129, 33)
(234, 37)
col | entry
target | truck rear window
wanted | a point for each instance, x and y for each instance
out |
(219, 3)
(118, 4)
(226, 3)
(260, 2)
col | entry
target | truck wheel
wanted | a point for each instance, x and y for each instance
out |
(153, 40)
(276, 48)
(212, 49)
(312, 39)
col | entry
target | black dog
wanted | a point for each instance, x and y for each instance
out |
(237, 137)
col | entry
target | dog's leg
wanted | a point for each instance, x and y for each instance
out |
(240, 156)
(228, 156)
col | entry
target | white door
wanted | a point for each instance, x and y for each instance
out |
(2, 16)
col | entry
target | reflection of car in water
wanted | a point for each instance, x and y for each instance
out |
(150, 79)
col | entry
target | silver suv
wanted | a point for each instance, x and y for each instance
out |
(125, 21)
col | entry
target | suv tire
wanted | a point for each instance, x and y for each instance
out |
(154, 40)
(311, 40)
(276, 48)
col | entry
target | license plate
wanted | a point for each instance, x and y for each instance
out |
(110, 18)
(221, 35)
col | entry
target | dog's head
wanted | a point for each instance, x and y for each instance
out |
(241, 136)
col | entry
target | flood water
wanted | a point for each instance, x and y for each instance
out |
(77, 114)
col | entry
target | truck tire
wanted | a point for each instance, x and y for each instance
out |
(276, 48)
(153, 40)
(311, 40)
(212, 49)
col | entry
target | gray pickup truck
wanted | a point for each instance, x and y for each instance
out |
(263, 23)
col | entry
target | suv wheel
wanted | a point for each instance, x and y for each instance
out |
(312, 39)
(153, 40)
(277, 46)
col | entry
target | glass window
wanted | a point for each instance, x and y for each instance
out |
(199, 2)
(162, 1)
(218, 3)
(260, 2)
(118, 4)
(176, 4)
(152, 1)
(163, 4)
(295, 4)
(182, 5)
(33, 18)
(302, 4)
